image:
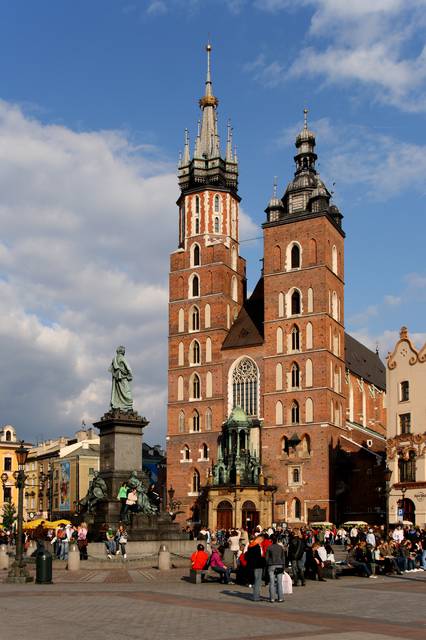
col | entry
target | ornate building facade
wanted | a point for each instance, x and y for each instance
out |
(406, 445)
(315, 394)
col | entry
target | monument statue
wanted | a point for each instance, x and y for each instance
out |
(144, 504)
(121, 392)
(96, 492)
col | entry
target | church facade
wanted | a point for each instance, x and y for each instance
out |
(313, 397)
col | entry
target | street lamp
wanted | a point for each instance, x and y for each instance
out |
(387, 476)
(18, 571)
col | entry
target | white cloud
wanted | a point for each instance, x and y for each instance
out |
(377, 44)
(393, 301)
(386, 340)
(363, 316)
(416, 280)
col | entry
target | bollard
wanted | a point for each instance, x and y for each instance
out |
(4, 558)
(43, 566)
(73, 558)
(31, 548)
(163, 558)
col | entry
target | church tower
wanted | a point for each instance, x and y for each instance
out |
(304, 366)
(207, 288)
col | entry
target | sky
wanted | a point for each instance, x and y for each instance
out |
(94, 100)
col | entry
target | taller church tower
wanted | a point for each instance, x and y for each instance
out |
(207, 289)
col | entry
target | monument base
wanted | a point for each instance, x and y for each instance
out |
(141, 527)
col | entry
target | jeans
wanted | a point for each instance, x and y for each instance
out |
(225, 574)
(298, 570)
(111, 546)
(363, 566)
(64, 550)
(122, 548)
(257, 583)
(422, 559)
(275, 583)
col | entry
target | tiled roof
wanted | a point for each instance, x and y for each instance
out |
(364, 362)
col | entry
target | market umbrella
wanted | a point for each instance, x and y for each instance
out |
(359, 523)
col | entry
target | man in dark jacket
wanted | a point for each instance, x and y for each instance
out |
(275, 563)
(297, 555)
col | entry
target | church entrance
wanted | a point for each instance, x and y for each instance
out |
(224, 515)
(250, 518)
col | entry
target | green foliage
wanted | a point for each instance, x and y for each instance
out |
(9, 515)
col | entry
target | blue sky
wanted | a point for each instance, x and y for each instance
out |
(94, 100)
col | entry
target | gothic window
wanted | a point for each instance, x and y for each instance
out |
(407, 468)
(334, 259)
(204, 451)
(216, 224)
(295, 257)
(234, 220)
(309, 336)
(197, 224)
(295, 475)
(245, 383)
(181, 358)
(216, 204)
(196, 255)
(182, 225)
(279, 340)
(207, 316)
(279, 412)
(278, 377)
(195, 421)
(234, 258)
(337, 379)
(234, 289)
(195, 481)
(276, 258)
(295, 338)
(295, 303)
(281, 305)
(181, 424)
(180, 388)
(208, 420)
(405, 423)
(404, 391)
(228, 316)
(310, 300)
(194, 286)
(179, 291)
(305, 445)
(336, 344)
(195, 352)
(209, 384)
(196, 386)
(308, 373)
(297, 509)
(334, 306)
(313, 250)
(309, 410)
(186, 453)
(295, 376)
(181, 320)
(295, 412)
(351, 402)
(195, 319)
(197, 205)
(208, 350)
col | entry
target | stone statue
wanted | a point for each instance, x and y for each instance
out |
(96, 492)
(144, 504)
(121, 392)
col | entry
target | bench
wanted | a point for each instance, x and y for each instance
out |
(197, 576)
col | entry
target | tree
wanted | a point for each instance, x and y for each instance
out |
(9, 515)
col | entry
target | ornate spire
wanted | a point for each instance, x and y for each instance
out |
(186, 155)
(209, 138)
(305, 144)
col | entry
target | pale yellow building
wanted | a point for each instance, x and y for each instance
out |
(406, 444)
(8, 465)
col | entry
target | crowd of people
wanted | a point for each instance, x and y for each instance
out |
(307, 553)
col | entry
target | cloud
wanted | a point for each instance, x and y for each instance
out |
(377, 45)
(157, 8)
(386, 340)
(363, 316)
(392, 301)
(416, 280)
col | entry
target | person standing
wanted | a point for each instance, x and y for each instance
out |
(82, 540)
(297, 553)
(122, 496)
(275, 562)
(234, 545)
(121, 537)
(255, 565)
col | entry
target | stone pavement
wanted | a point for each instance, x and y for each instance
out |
(146, 603)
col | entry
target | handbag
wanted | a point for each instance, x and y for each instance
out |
(278, 570)
(287, 584)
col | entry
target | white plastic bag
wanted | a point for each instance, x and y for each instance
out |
(287, 584)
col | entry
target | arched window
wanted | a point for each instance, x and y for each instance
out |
(295, 257)
(309, 336)
(194, 318)
(336, 344)
(297, 509)
(295, 418)
(295, 303)
(309, 410)
(216, 204)
(181, 320)
(207, 316)
(276, 258)
(295, 338)
(308, 373)
(195, 386)
(228, 316)
(195, 421)
(195, 353)
(281, 305)
(194, 286)
(208, 350)
(180, 388)
(8, 436)
(234, 289)
(234, 220)
(196, 224)
(180, 292)
(351, 402)
(310, 300)
(245, 383)
(204, 451)
(181, 422)
(337, 419)
(195, 254)
(234, 258)
(216, 224)
(334, 259)
(407, 467)
(334, 306)
(181, 356)
(313, 250)
(208, 420)
(197, 205)
(279, 377)
(279, 412)
(195, 482)
(295, 475)
(186, 453)
(337, 379)
(209, 384)
(295, 375)
(279, 340)
(305, 445)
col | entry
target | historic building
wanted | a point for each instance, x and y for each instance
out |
(8, 465)
(313, 396)
(406, 445)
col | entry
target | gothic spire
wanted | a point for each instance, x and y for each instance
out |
(209, 137)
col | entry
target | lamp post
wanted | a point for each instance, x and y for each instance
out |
(387, 475)
(18, 571)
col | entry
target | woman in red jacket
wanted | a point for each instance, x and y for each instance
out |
(199, 558)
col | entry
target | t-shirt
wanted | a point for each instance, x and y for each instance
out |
(199, 560)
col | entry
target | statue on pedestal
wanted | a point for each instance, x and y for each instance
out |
(121, 392)
(144, 504)
(96, 492)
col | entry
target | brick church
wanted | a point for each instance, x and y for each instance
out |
(275, 414)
